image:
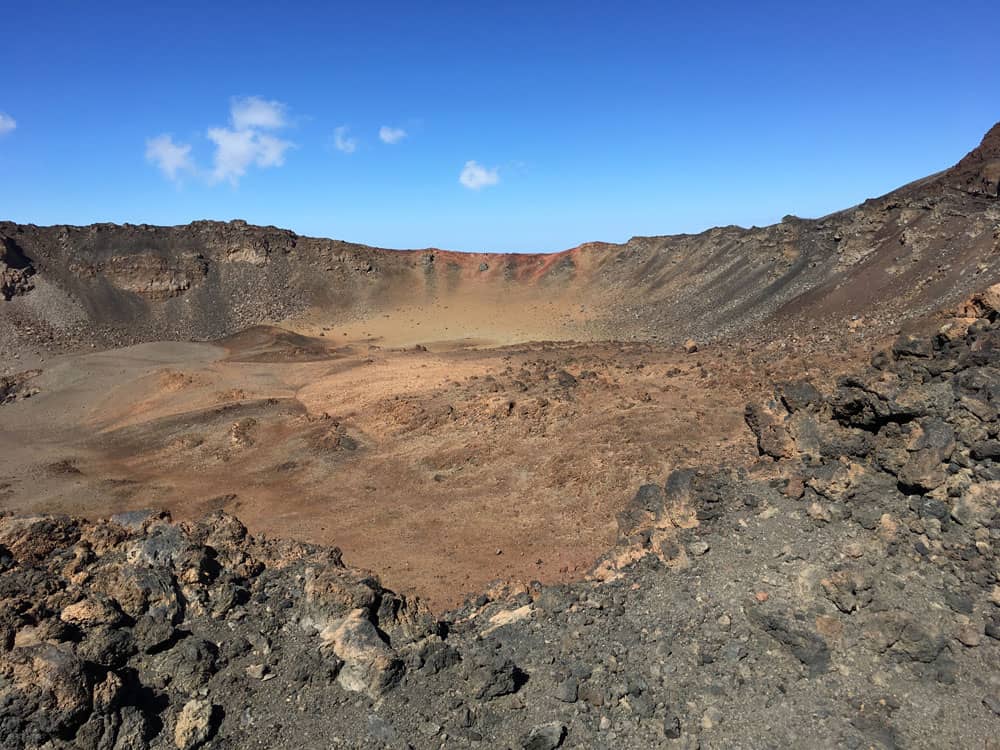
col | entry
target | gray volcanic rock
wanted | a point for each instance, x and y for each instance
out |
(15, 270)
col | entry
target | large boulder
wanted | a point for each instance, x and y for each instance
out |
(44, 692)
(370, 665)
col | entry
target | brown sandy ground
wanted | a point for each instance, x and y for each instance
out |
(443, 465)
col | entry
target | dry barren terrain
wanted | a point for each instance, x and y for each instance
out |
(443, 466)
(448, 419)
(734, 489)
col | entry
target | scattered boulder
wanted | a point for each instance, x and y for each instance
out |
(494, 678)
(194, 724)
(545, 736)
(767, 425)
(370, 666)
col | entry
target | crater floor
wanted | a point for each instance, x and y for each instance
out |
(442, 465)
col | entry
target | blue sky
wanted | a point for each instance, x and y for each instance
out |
(583, 120)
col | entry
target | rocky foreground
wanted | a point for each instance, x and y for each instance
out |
(843, 592)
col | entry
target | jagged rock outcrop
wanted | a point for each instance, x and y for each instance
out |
(979, 172)
(15, 270)
(113, 630)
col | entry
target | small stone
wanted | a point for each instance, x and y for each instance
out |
(567, 690)
(671, 726)
(256, 671)
(995, 596)
(91, 612)
(970, 635)
(725, 621)
(992, 702)
(194, 724)
(818, 513)
(690, 346)
(761, 596)
(795, 488)
(698, 548)
(711, 718)
(959, 602)
(545, 736)
(605, 724)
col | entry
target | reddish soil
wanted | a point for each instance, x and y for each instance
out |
(441, 469)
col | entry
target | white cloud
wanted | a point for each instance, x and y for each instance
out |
(243, 145)
(475, 176)
(7, 123)
(391, 135)
(251, 112)
(171, 158)
(343, 142)
(237, 150)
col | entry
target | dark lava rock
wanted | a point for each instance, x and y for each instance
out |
(501, 677)
(799, 395)
(567, 690)
(807, 646)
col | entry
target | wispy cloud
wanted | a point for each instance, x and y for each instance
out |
(475, 176)
(253, 112)
(237, 150)
(243, 144)
(391, 135)
(171, 158)
(343, 142)
(7, 123)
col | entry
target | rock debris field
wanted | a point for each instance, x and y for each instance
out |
(845, 587)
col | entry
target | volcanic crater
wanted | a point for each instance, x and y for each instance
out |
(461, 422)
